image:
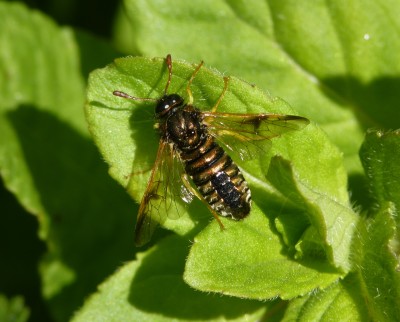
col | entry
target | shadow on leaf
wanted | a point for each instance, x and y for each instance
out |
(90, 220)
(375, 104)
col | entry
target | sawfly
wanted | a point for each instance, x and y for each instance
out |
(193, 156)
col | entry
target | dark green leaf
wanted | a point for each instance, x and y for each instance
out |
(380, 155)
(48, 161)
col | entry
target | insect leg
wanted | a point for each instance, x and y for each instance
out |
(188, 90)
(136, 173)
(226, 82)
(185, 179)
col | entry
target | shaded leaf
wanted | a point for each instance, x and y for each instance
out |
(380, 155)
(48, 161)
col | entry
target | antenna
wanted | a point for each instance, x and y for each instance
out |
(125, 95)
(168, 61)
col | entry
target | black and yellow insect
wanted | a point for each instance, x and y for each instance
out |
(191, 160)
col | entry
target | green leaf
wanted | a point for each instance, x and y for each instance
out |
(332, 224)
(340, 302)
(48, 161)
(24, 40)
(13, 310)
(375, 256)
(338, 68)
(377, 251)
(152, 289)
(247, 260)
(380, 155)
(123, 130)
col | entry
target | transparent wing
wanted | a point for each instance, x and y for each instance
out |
(249, 134)
(165, 194)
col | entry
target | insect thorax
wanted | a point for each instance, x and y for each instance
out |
(184, 128)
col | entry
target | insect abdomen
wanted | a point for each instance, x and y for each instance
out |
(218, 179)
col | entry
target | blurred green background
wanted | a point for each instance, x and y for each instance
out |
(18, 267)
